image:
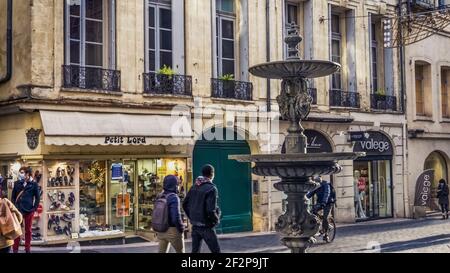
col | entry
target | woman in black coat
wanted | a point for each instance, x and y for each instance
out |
(442, 194)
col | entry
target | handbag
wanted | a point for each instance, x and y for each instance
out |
(10, 227)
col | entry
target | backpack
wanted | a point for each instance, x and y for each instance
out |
(160, 215)
(332, 198)
(10, 227)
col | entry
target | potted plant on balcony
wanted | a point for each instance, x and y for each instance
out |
(227, 85)
(165, 79)
(380, 99)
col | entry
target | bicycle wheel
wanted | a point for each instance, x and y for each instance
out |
(331, 230)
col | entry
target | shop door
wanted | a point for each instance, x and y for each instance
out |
(373, 189)
(233, 180)
(123, 200)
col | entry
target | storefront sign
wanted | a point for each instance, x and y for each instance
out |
(317, 143)
(116, 171)
(423, 189)
(125, 140)
(372, 143)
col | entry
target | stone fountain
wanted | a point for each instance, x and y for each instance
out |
(297, 225)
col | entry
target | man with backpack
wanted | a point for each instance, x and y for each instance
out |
(166, 220)
(326, 198)
(202, 210)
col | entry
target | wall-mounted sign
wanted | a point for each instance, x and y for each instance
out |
(372, 143)
(125, 140)
(116, 171)
(423, 189)
(317, 143)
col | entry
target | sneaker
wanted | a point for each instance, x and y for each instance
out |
(326, 238)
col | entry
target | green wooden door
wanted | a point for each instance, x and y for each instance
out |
(233, 180)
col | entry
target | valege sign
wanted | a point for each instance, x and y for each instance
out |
(423, 189)
(372, 143)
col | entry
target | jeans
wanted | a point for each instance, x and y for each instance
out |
(207, 234)
(171, 236)
(5, 250)
(326, 212)
(27, 219)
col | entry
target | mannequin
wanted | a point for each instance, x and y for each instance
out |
(359, 194)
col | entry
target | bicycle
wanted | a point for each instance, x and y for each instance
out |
(331, 226)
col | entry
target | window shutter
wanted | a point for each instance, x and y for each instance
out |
(350, 47)
(178, 36)
(243, 41)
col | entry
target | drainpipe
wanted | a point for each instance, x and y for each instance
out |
(403, 111)
(7, 77)
(268, 52)
(269, 109)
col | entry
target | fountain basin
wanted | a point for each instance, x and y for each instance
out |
(295, 68)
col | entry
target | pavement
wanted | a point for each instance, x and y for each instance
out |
(428, 235)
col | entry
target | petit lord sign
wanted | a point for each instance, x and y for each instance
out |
(130, 140)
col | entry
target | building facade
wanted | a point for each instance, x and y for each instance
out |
(427, 84)
(109, 96)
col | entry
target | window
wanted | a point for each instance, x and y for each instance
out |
(336, 78)
(420, 107)
(225, 37)
(159, 44)
(374, 48)
(291, 16)
(445, 77)
(88, 39)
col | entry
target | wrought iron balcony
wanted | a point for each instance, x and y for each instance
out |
(313, 93)
(155, 83)
(90, 78)
(230, 89)
(422, 4)
(383, 102)
(344, 99)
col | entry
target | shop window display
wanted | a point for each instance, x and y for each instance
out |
(93, 200)
(60, 204)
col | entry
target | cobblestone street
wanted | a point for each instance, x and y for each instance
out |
(429, 235)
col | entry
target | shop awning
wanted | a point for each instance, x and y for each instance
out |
(82, 128)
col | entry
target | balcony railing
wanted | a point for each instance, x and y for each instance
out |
(344, 99)
(155, 83)
(90, 78)
(313, 93)
(383, 102)
(230, 89)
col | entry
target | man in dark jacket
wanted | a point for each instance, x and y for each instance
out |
(202, 210)
(442, 194)
(324, 202)
(174, 235)
(26, 198)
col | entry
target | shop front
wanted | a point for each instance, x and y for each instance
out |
(372, 175)
(99, 174)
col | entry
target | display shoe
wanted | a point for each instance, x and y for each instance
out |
(50, 197)
(35, 229)
(50, 223)
(62, 197)
(71, 198)
(66, 181)
(82, 230)
(55, 206)
(58, 172)
(53, 182)
(66, 231)
(58, 230)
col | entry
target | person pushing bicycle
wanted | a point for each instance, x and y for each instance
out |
(326, 197)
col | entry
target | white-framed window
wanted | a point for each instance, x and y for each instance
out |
(225, 37)
(290, 16)
(158, 35)
(374, 57)
(336, 43)
(90, 33)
